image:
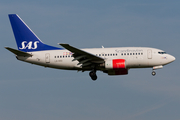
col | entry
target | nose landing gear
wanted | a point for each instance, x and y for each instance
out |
(93, 75)
(153, 73)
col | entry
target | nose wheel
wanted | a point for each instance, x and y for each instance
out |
(93, 75)
(153, 73)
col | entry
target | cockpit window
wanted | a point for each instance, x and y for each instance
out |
(162, 52)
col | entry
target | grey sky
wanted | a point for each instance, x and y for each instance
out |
(33, 92)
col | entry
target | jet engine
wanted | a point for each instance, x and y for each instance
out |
(116, 67)
(118, 72)
(115, 64)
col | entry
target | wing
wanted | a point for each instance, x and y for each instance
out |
(18, 52)
(84, 58)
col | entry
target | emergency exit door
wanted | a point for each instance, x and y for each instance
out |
(149, 54)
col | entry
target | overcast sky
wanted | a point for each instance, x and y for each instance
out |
(30, 92)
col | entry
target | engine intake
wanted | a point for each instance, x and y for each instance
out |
(115, 64)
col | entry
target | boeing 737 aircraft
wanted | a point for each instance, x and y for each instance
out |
(113, 61)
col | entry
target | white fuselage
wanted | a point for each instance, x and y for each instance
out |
(113, 61)
(135, 57)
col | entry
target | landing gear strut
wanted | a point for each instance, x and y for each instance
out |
(153, 73)
(93, 75)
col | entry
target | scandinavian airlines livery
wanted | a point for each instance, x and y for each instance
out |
(113, 61)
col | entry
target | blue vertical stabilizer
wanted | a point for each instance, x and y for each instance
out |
(26, 39)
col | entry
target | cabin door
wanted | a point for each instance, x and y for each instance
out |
(47, 58)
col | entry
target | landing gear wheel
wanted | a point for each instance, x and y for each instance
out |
(93, 75)
(153, 73)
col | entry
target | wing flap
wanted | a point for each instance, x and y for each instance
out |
(83, 61)
(79, 57)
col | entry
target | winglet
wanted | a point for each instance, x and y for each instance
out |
(18, 52)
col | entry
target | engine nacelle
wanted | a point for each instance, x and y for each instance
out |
(116, 67)
(118, 72)
(115, 64)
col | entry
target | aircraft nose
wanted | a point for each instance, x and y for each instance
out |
(172, 58)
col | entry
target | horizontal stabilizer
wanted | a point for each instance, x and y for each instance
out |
(18, 52)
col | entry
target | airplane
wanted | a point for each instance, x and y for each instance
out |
(113, 61)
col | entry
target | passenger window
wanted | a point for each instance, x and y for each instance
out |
(127, 53)
(141, 53)
(54, 56)
(99, 54)
(138, 53)
(130, 53)
(133, 53)
(124, 53)
(121, 53)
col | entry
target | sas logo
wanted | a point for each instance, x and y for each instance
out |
(29, 45)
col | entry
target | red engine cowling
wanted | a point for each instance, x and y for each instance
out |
(115, 64)
(116, 67)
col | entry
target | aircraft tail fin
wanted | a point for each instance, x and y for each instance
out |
(26, 39)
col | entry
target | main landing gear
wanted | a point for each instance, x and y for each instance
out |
(153, 73)
(93, 75)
